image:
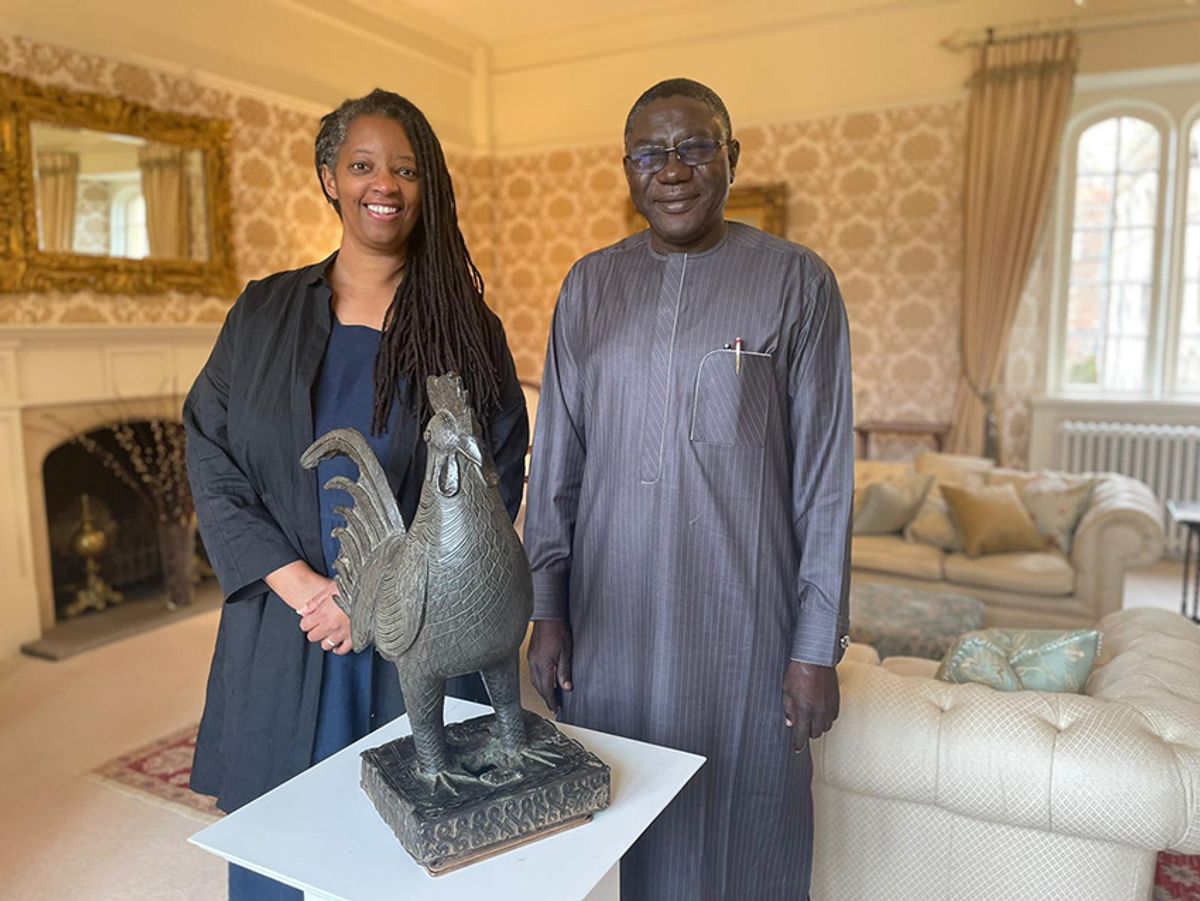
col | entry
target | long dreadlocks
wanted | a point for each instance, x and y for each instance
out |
(437, 322)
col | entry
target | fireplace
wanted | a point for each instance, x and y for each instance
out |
(105, 534)
(57, 382)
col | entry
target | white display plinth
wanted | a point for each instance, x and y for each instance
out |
(320, 833)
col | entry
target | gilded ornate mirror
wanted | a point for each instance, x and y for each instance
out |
(114, 196)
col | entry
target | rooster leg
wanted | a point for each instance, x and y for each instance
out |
(423, 696)
(503, 683)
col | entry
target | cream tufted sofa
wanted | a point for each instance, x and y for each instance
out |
(927, 791)
(1120, 529)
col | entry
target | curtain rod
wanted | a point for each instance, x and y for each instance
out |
(966, 39)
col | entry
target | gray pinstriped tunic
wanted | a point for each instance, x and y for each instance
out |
(691, 520)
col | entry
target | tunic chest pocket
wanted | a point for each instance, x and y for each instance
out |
(730, 407)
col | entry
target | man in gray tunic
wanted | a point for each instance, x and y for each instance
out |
(689, 509)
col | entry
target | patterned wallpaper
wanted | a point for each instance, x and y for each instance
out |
(93, 207)
(279, 219)
(877, 194)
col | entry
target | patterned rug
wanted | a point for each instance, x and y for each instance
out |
(1178, 878)
(159, 773)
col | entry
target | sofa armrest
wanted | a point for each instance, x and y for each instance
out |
(1121, 528)
(1056, 762)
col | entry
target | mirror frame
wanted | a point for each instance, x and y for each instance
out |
(25, 267)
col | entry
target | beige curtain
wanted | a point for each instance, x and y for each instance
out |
(56, 183)
(1019, 98)
(164, 185)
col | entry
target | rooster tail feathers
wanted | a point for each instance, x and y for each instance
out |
(374, 516)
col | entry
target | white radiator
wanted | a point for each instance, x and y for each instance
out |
(1165, 457)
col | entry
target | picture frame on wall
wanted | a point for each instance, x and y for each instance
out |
(763, 206)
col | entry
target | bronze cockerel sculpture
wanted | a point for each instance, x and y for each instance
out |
(449, 596)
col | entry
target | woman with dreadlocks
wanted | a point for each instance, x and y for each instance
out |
(345, 343)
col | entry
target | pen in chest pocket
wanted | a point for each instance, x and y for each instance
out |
(737, 356)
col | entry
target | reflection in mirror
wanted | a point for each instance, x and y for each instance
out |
(116, 195)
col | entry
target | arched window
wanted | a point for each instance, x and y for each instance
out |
(129, 239)
(1187, 352)
(1115, 232)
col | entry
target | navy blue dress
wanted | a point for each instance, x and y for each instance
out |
(358, 690)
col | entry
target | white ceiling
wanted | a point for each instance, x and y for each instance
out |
(461, 58)
(495, 21)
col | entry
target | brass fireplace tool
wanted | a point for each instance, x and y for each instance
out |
(89, 542)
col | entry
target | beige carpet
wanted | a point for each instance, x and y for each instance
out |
(69, 835)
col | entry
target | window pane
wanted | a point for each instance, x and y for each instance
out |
(1188, 366)
(1089, 244)
(1187, 352)
(1094, 201)
(1085, 307)
(1137, 199)
(1125, 363)
(1113, 245)
(1139, 147)
(1098, 148)
(1191, 252)
(1089, 271)
(1132, 255)
(1189, 321)
(1082, 363)
(1129, 310)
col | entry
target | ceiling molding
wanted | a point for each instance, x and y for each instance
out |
(425, 43)
(1128, 78)
(642, 33)
(159, 64)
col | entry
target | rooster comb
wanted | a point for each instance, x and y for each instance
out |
(446, 392)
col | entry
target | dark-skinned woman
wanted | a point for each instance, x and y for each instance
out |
(345, 343)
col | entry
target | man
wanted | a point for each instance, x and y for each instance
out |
(689, 509)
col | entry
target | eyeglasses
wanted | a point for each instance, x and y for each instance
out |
(692, 152)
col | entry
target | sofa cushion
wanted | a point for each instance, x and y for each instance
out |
(1056, 506)
(992, 519)
(1020, 659)
(887, 507)
(870, 472)
(934, 525)
(1030, 572)
(892, 554)
(954, 469)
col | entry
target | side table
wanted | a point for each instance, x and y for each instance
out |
(1187, 514)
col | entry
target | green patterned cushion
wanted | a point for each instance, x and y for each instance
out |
(1020, 659)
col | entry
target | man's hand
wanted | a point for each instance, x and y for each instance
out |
(550, 659)
(810, 701)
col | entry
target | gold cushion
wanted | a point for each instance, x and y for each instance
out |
(992, 519)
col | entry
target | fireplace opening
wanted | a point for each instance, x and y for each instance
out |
(116, 500)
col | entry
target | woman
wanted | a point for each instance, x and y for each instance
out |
(347, 342)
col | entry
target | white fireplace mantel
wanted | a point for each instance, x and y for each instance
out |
(76, 375)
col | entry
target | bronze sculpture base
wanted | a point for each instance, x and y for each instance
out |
(486, 804)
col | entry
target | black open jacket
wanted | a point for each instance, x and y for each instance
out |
(249, 416)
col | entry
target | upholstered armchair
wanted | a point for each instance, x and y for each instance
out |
(930, 791)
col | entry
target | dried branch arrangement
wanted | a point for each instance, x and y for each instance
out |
(151, 461)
